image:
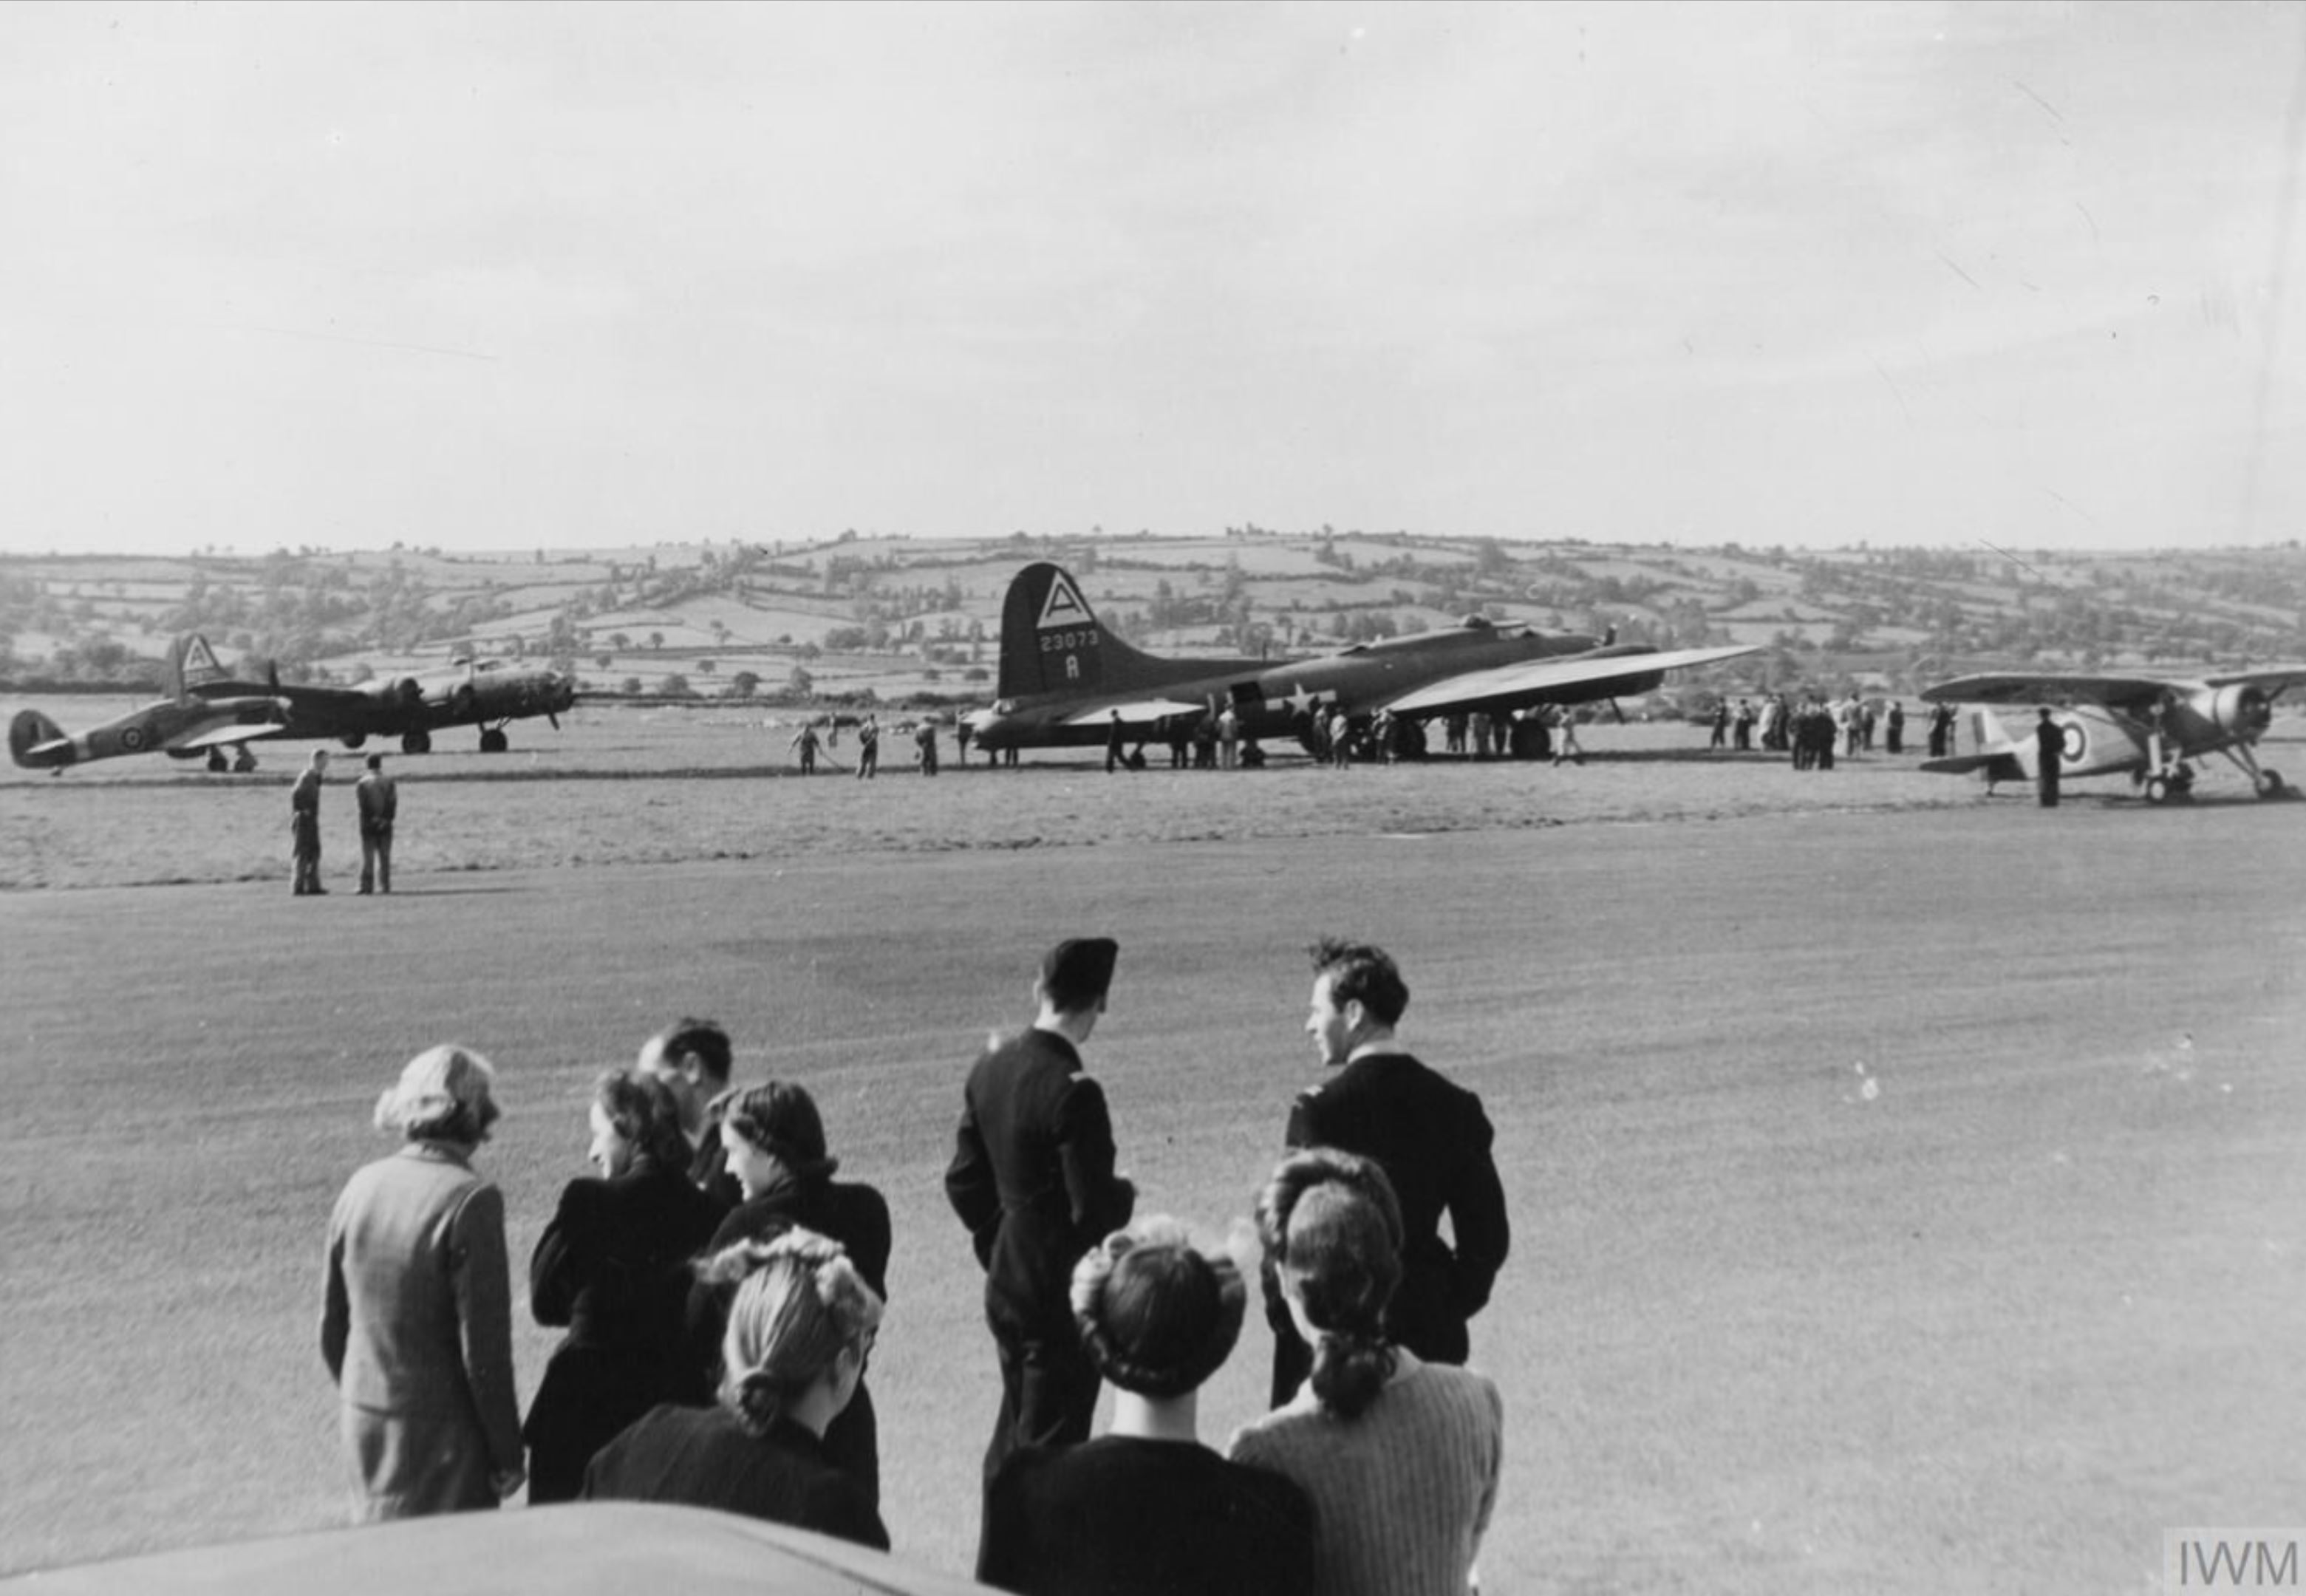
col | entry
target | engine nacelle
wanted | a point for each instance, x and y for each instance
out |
(2242, 710)
(396, 691)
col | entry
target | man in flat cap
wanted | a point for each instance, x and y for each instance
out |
(1032, 1178)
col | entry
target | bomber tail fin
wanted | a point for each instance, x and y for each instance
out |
(192, 663)
(1052, 643)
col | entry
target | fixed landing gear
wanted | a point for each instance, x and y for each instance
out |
(2268, 782)
(416, 742)
(493, 740)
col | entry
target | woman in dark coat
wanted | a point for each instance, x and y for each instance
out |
(801, 1324)
(611, 1266)
(776, 1142)
(1145, 1509)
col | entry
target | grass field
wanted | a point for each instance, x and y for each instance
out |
(1906, 1187)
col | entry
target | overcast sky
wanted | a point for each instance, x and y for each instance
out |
(503, 277)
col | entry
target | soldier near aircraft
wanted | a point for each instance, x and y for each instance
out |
(304, 826)
(804, 743)
(378, 798)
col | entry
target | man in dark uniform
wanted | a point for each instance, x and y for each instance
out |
(378, 798)
(1032, 1178)
(693, 1058)
(304, 826)
(868, 748)
(1114, 737)
(1431, 1138)
(2049, 748)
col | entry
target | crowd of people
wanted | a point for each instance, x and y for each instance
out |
(722, 1293)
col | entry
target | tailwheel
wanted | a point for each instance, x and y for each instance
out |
(493, 740)
(2268, 783)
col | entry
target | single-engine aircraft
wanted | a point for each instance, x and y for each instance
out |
(1064, 678)
(2147, 726)
(205, 712)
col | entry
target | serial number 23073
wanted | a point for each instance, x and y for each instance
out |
(1059, 642)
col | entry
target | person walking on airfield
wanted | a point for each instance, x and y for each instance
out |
(416, 1305)
(378, 798)
(2049, 748)
(869, 749)
(1429, 1135)
(1114, 736)
(1033, 1179)
(925, 741)
(804, 743)
(304, 826)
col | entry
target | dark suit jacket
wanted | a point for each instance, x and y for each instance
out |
(612, 1266)
(1433, 1141)
(1032, 1178)
(416, 1315)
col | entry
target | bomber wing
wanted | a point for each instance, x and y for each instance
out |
(1538, 681)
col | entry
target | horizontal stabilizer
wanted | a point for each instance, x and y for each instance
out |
(1135, 715)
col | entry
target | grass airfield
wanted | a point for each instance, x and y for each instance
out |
(1906, 1186)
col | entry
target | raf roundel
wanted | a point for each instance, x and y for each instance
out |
(132, 739)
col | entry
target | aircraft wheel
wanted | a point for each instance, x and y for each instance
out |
(2157, 788)
(217, 761)
(2270, 783)
(355, 741)
(416, 742)
(245, 763)
(494, 741)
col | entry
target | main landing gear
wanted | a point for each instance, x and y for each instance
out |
(243, 761)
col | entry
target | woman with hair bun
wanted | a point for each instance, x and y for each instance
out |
(774, 1139)
(416, 1311)
(611, 1265)
(1400, 1457)
(800, 1328)
(1145, 1509)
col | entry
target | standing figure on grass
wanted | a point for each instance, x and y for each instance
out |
(416, 1310)
(613, 1266)
(1401, 1458)
(1145, 1509)
(304, 826)
(774, 1139)
(800, 1327)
